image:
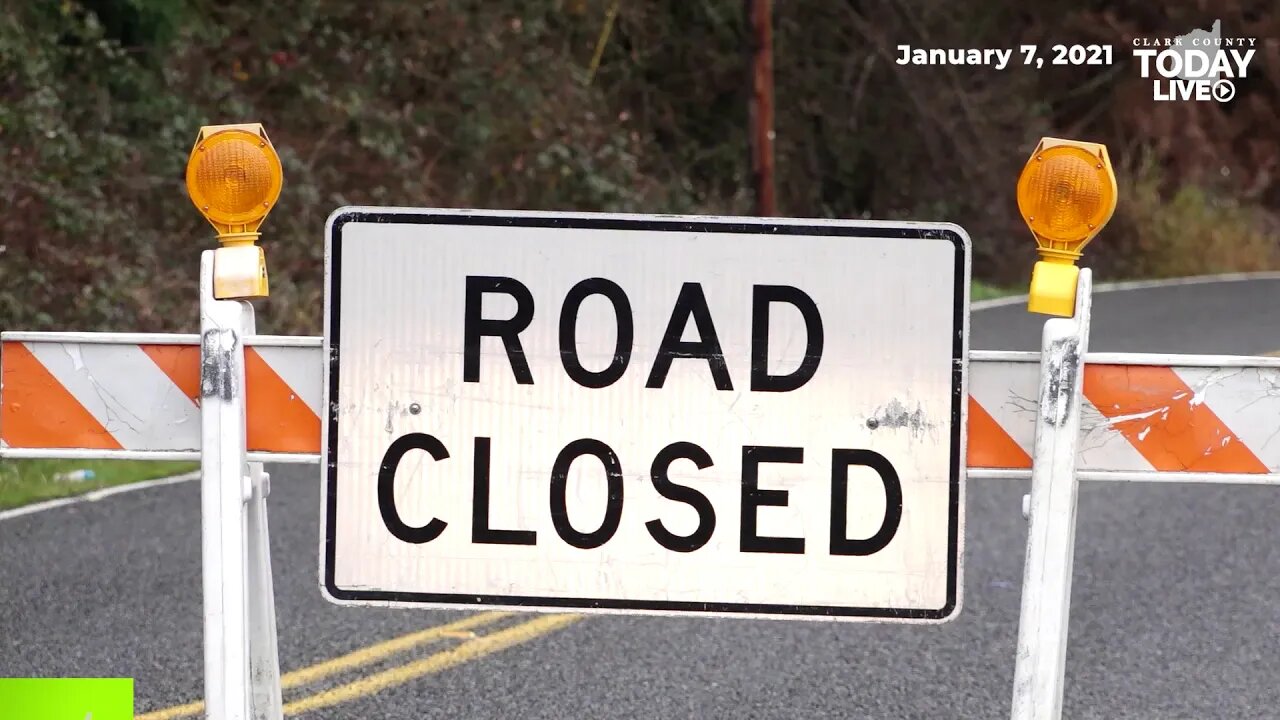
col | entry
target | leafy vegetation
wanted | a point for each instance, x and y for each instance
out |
(492, 103)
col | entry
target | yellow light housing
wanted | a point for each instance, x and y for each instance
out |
(234, 178)
(1066, 194)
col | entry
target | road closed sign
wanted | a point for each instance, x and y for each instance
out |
(628, 413)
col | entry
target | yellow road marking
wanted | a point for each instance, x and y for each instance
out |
(1273, 353)
(469, 650)
(374, 653)
(177, 711)
(363, 656)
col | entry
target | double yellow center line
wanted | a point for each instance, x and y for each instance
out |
(472, 646)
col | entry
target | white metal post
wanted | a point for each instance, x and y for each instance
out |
(1046, 580)
(241, 666)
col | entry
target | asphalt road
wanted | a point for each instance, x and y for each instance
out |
(1175, 609)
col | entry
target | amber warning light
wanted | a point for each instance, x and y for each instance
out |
(234, 179)
(1066, 194)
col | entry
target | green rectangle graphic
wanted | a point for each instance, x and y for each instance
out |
(66, 698)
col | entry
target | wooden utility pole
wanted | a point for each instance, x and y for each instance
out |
(760, 14)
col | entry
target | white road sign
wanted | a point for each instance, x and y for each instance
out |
(632, 413)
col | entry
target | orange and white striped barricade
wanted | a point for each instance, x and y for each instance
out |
(1056, 417)
(100, 395)
(235, 400)
(137, 396)
(1059, 416)
(1144, 417)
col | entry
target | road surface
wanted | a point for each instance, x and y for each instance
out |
(1175, 609)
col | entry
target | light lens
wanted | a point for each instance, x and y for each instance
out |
(1065, 194)
(234, 177)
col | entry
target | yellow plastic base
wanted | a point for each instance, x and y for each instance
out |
(239, 272)
(1053, 288)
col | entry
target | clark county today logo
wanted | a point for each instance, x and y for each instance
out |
(1198, 66)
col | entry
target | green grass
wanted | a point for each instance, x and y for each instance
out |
(979, 290)
(27, 481)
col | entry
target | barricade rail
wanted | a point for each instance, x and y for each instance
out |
(1145, 417)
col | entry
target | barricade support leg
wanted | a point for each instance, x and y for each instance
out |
(264, 663)
(1046, 583)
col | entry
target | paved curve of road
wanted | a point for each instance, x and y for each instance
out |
(1175, 609)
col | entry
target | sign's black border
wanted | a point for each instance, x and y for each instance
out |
(672, 224)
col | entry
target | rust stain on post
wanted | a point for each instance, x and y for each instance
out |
(217, 365)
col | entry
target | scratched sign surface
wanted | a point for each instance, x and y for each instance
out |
(649, 414)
